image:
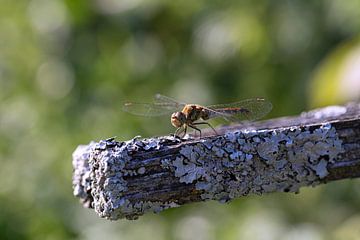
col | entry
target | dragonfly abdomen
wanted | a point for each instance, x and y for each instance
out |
(233, 110)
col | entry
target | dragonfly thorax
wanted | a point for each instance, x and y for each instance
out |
(195, 112)
(189, 115)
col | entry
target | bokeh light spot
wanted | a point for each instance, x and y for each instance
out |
(194, 227)
(17, 117)
(47, 16)
(142, 54)
(55, 79)
(116, 6)
(350, 76)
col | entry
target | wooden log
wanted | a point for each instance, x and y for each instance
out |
(127, 179)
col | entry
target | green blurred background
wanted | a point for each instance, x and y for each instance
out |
(67, 66)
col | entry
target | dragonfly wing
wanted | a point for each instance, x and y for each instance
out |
(161, 99)
(149, 109)
(249, 109)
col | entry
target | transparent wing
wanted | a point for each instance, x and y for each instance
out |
(158, 98)
(162, 106)
(249, 109)
(148, 109)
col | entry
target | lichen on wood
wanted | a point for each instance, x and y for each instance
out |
(128, 179)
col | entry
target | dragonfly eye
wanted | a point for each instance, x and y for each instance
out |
(178, 119)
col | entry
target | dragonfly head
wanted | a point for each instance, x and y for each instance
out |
(178, 119)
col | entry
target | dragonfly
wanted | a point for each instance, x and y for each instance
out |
(184, 115)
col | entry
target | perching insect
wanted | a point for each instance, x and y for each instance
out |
(190, 114)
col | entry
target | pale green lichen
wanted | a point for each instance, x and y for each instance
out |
(221, 168)
(100, 180)
(258, 162)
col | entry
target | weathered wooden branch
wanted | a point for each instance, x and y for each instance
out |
(127, 179)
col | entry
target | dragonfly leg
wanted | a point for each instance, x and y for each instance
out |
(200, 123)
(178, 131)
(185, 129)
(197, 129)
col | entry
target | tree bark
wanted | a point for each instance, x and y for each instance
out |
(127, 179)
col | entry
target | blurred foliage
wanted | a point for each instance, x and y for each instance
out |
(67, 66)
